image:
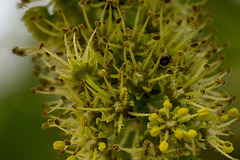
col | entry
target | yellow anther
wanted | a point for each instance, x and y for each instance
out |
(163, 146)
(203, 112)
(58, 145)
(101, 146)
(191, 133)
(233, 112)
(72, 157)
(223, 118)
(153, 117)
(178, 134)
(182, 111)
(167, 104)
(227, 147)
(155, 131)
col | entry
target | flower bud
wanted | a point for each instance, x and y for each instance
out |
(233, 112)
(223, 118)
(191, 133)
(167, 104)
(203, 112)
(58, 145)
(163, 146)
(178, 134)
(182, 111)
(153, 117)
(101, 146)
(155, 131)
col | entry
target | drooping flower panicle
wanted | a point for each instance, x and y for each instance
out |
(133, 79)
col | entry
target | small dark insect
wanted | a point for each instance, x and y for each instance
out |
(165, 60)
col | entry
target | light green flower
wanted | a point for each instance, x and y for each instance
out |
(131, 79)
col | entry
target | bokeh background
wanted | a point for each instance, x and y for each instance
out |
(21, 136)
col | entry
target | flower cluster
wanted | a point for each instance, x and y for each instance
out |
(132, 79)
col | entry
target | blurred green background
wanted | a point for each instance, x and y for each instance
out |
(21, 136)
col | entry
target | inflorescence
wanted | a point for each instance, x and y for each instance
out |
(131, 79)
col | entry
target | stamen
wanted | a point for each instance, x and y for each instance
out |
(80, 48)
(98, 5)
(69, 54)
(186, 118)
(132, 57)
(125, 56)
(143, 29)
(50, 93)
(120, 123)
(105, 57)
(95, 102)
(139, 114)
(96, 109)
(159, 78)
(109, 118)
(190, 100)
(56, 107)
(215, 85)
(136, 21)
(133, 150)
(102, 17)
(94, 154)
(125, 99)
(115, 45)
(190, 51)
(200, 106)
(161, 21)
(109, 19)
(122, 22)
(87, 94)
(47, 78)
(196, 75)
(226, 124)
(83, 34)
(193, 147)
(67, 131)
(85, 57)
(86, 18)
(75, 46)
(75, 95)
(149, 56)
(178, 35)
(64, 17)
(121, 86)
(52, 24)
(110, 87)
(190, 35)
(44, 30)
(215, 145)
(166, 135)
(57, 58)
(117, 28)
(210, 80)
(49, 66)
(97, 88)
(222, 134)
(64, 108)
(216, 98)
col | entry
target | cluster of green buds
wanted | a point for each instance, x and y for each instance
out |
(131, 79)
